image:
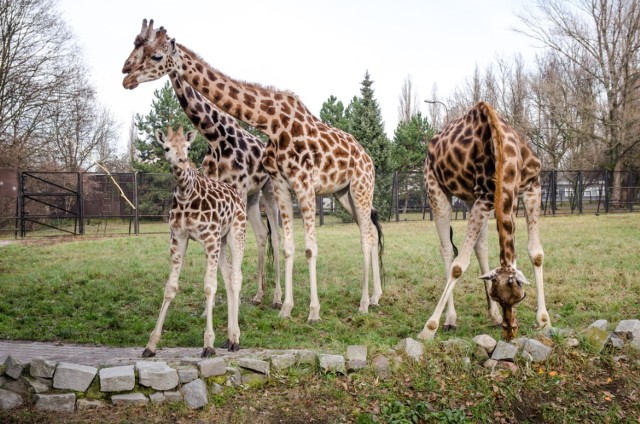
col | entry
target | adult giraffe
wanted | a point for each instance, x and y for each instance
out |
(482, 160)
(304, 155)
(234, 156)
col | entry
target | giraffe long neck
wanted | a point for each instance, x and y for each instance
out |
(204, 117)
(503, 197)
(186, 180)
(272, 112)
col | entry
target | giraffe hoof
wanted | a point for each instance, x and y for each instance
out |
(148, 353)
(207, 352)
(448, 327)
(256, 302)
(276, 305)
(234, 347)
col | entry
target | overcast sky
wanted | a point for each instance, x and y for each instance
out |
(313, 48)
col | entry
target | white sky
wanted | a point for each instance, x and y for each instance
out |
(313, 48)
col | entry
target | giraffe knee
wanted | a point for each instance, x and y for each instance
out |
(456, 271)
(308, 253)
(538, 259)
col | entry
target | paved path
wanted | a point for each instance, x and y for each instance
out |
(26, 351)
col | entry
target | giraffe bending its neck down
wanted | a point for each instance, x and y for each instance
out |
(234, 156)
(304, 155)
(482, 160)
(212, 213)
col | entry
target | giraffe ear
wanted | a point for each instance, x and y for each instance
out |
(173, 45)
(491, 275)
(520, 278)
(160, 137)
(191, 136)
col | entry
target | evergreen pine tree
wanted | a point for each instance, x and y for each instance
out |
(333, 113)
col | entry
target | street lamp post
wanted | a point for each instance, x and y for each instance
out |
(446, 109)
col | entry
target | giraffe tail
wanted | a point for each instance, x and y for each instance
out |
(270, 255)
(497, 136)
(375, 220)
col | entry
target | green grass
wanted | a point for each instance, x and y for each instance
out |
(109, 290)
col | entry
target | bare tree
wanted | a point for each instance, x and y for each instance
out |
(601, 41)
(408, 106)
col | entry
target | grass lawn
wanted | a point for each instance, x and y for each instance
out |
(109, 290)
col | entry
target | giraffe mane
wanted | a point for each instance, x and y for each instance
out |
(498, 144)
(254, 85)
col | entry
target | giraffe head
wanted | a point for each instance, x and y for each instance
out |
(154, 55)
(507, 288)
(176, 146)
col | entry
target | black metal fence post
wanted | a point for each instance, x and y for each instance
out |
(136, 212)
(79, 202)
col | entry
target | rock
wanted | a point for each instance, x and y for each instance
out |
(187, 374)
(486, 342)
(10, 400)
(562, 332)
(526, 356)
(504, 351)
(490, 364)
(600, 324)
(188, 360)
(356, 357)
(628, 329)
(42, 368)
(596, 338)
(56, 403)
(412, 348)
(157, 397)
(195, 394)
(212, 367)
(254, 365)
(507, 366)
(20, 386)
(381, 365)
(235, 378)
(480, 354)
(12, 367)
(520, 341)
(38, 385)
(253, 379)
(572, 342)
(173, 396)
(306, 357)
(117, 379)
(73, 376)
(157, 375)
(538, 351)
(332, 363)
(88, 404)
(616, 341)
(284, 361)
(130, 399)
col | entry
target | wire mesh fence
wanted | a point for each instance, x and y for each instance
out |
(51, 203)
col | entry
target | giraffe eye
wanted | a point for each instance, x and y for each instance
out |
(157, 57)
(166, 149)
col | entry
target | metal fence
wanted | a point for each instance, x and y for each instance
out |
(48, 203)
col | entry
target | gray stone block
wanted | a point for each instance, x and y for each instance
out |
(628, 329)
(10, 400)
(412, 348)
(157, 397)
(284, 361)
(173, 396)
(254, 365)
(616, 341)
(157, 375)
(306, 357)
(486, 342)
(88, 404)
(356, 357)
(195, 394)
(56, 403)
(381, 365)
(596, 338)
(73, 376)
(12, 367)
(130, 399)
(38, 385)
(332, 363)
(187, 374)
(600, 324)
(212, 367)
(539, 352)
(253, 379)
(504, 351)
(117, 379)
(235, 378)
(42, 368)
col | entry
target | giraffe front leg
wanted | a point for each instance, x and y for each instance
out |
(482, 253)
(253, 214)
(177, 249)
(212, 250)
(307, 201)
(271, 209)
(234, 285)
(288, 247)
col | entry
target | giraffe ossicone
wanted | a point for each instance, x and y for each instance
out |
(212, 213)
(483, 161)
(304, 155)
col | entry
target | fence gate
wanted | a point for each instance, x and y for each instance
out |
(51, 199)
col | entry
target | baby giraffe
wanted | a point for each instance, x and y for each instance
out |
(212, 213)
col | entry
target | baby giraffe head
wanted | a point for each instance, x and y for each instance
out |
(176, 146)
(507, 288)
(154, 55)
